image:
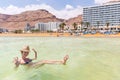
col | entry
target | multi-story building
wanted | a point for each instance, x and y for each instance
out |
(50, 26)
(100, 15)
(27, 27)
(40, 26)
(3, 30)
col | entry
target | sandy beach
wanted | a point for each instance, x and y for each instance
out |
(56, 35)
(35, 34)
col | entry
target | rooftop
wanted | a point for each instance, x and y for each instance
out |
(112, 2)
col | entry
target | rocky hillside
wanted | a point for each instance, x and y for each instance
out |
(19, 21)
(77, 20)
(112, 1)
(3, 17)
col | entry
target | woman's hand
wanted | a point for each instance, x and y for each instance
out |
(16, 61)
(33, 50)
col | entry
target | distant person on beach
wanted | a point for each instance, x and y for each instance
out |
(27, 61)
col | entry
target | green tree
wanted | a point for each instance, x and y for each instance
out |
(107, 24)
(62, 25)
(18, 31)
(36, 30)
(81, 23)
(98, 24)
(87, 24)
(75, 26)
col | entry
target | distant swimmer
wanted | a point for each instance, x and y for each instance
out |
(24, 60)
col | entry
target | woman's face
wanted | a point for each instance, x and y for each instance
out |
(24, 54)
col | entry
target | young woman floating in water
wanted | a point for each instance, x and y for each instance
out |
(27, 61)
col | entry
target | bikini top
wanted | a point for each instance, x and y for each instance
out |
(28, 61)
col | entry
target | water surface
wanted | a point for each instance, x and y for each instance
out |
(90, 58)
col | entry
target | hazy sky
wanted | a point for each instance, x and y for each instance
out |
(61, 8)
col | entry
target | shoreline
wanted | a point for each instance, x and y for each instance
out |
(56, 35)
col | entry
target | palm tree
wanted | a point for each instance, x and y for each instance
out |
(98, 24)
(81, 23)
(87, 24)
(107, 24)
(75, 26)
(62, 25)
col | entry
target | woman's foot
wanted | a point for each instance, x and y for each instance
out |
(65, 59)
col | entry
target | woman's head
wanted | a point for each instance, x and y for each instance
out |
(25, 51)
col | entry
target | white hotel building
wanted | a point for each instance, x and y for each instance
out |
(50, 26)
(106, 13)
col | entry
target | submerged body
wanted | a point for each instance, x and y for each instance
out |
(27, 61)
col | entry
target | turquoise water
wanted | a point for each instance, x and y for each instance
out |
(90, 58)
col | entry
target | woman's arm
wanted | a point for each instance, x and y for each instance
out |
(35, 54)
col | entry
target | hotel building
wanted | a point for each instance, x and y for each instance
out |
(50, 26)
(106, 13)
(3, 30)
